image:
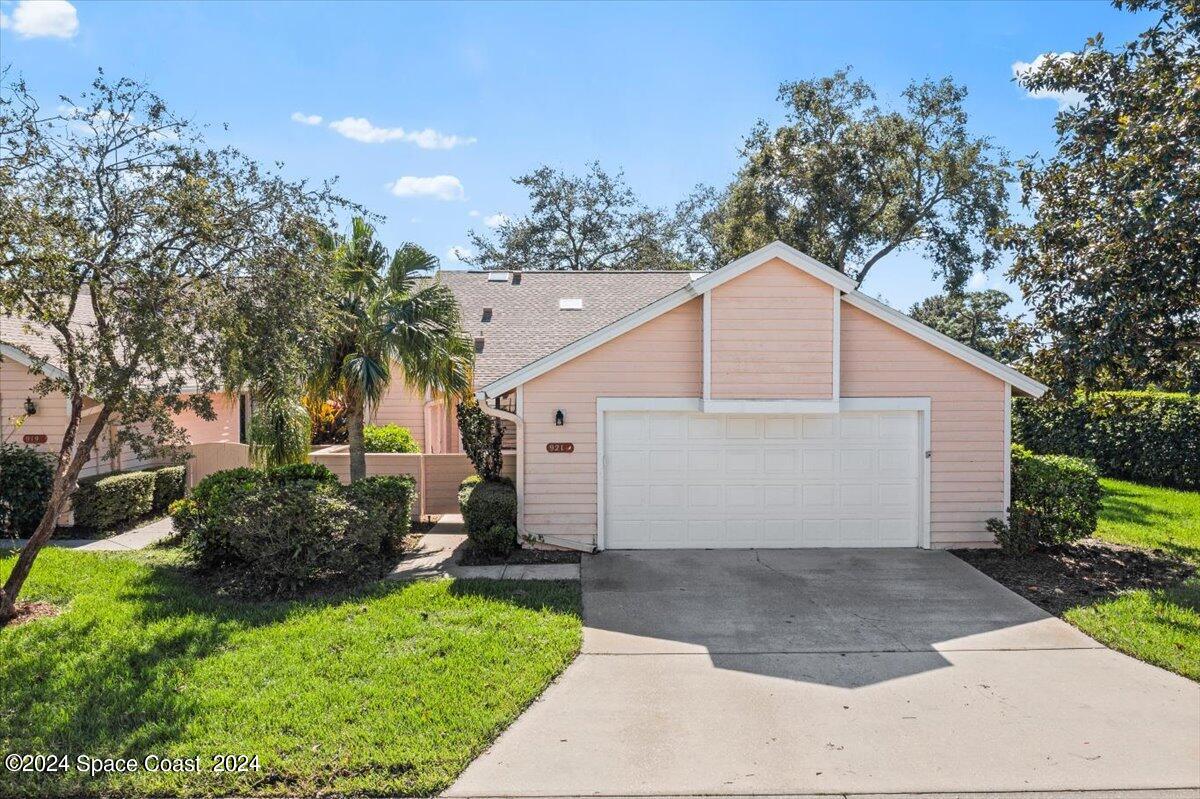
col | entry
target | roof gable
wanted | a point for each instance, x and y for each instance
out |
(709, 281)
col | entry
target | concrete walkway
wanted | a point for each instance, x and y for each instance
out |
(137, 538)
(846, 672)
(441, 550)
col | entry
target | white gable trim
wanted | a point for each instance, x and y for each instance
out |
(945, 343)
(778, 249)
(23, 358)
(706, 283)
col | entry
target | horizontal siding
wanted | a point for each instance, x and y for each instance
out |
(661, 358)
(967, 431)
(771, 335)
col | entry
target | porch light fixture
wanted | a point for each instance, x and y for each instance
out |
(30, 406)
(559, 419)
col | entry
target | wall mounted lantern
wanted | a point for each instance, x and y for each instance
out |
(30, 406)
(559, 419)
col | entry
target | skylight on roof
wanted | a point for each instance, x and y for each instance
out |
(570, 304)
(497, 277)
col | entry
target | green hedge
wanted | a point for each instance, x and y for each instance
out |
(489, 509)
(389, 438)
(104, 503)
(170, 484)
(1147, 436)
(283, 531)
(26, 476)
(1055, 500)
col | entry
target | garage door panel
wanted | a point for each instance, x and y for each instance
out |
(739, 480)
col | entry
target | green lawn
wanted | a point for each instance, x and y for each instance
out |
(389, 690)
(1160, 627)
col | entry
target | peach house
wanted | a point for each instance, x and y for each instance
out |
(768, 403)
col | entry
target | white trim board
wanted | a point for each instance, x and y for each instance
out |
(20, 356)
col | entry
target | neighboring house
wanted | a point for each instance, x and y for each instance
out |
(765, 404)
(22, 348)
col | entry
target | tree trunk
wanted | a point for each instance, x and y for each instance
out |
(70, 463)
(354, 436)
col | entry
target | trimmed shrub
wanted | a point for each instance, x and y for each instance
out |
(389, 438)
(26, 476)
(482, 438)
(170, 483)
(389, 499)
(1147, 436)
(1055, 500)
(316, 472)
(105, 503)
(489, 509)
(283, 531)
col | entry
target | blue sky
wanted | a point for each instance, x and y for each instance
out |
(466, 96)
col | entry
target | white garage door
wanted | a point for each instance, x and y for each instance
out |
(677, 480)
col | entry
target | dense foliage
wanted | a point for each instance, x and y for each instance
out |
(589, 222)
(25, 477)
(170, 484)
(848, 182)
(489, 510)
(482, 439)
(1146, 436)
(280, 432)
(281, 532)
(1110, 265)
(1055, 500)
(389, 438)
(105, 503)
(977, 319)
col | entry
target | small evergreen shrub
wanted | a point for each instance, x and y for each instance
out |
(489, 509)
(1055, 500)
(283, 531)
(26, 476)
(389, 438)
(170, 483)
(388, 499)
(1147, 436)
(104, 503)
(482, 439)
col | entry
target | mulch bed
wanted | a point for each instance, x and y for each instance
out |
(32, 611)
(1082, 573)
(473, 557)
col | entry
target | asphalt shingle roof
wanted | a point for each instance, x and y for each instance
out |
(526, 322)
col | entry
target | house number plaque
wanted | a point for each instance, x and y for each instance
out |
(34, 438)
(560, 446)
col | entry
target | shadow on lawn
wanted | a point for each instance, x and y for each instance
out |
(1122, 506)
(110, 677)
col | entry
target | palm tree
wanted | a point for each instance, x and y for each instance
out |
(388, 314)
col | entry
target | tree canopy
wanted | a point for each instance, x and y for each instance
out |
(1110, 264)
(849, 182)
(136, 250)
(591, 221)
(977, 319)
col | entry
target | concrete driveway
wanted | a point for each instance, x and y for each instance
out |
(825, 671)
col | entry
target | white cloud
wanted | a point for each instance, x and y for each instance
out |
(459, 253)
(361, 129)
(495, 220)
(472, 212)
(1064, 98)
(439, 187)
(306, 119)
(3, 20)
(34, 18)
(978, 281)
